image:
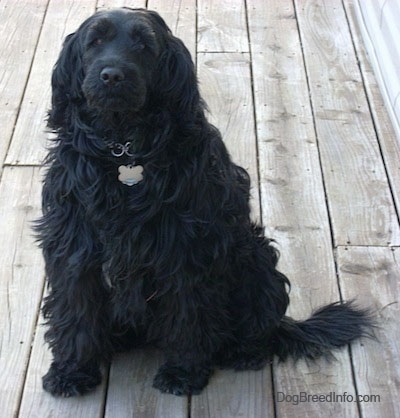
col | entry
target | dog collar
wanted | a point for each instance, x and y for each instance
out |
(129, 174)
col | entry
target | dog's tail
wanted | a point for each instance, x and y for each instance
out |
(330, 327)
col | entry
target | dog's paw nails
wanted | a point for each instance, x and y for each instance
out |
(177, 381)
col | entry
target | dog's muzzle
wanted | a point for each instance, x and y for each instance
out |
(114, 87)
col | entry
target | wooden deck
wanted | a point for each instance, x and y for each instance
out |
(290, 87)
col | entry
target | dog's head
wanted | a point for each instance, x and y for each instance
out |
(122, 61)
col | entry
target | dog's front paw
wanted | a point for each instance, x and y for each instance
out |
(66, 382)
(179, 381)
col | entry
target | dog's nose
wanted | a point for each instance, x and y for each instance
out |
(111, 75)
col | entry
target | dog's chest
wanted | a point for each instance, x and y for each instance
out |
(129, 250)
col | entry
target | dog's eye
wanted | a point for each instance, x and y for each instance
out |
(138, 39)
(138, 44)
(94, 40)
(97, 41)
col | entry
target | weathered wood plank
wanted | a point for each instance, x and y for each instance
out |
(390, 144)
(29, 139)
(16, 54)
(293, 201)
(180, 16)
(222, 26)
(373, 275)
(21, 280)
(130, 392)
(313, 380)
(290, 174)
(361, 205)
(109, 4)
(235, 394)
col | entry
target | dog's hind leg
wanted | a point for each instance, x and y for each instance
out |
(257, 304)
(191, 334)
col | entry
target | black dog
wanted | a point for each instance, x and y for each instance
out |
(146, 229)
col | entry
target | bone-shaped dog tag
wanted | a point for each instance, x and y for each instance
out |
(130, 174)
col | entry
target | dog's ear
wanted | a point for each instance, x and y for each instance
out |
(177, 82)
(66, 82)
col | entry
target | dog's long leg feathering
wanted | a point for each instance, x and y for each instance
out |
(146, 228)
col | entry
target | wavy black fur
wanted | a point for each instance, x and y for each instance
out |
(330, 327)
(175, 259)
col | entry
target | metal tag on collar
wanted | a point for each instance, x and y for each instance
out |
(130, 174)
